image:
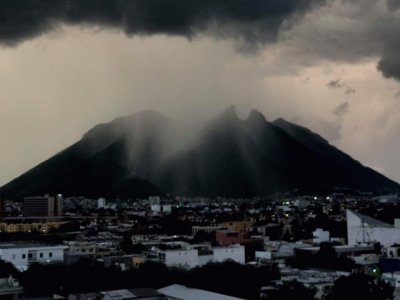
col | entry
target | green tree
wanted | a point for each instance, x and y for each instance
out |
(7, 269)
(293, 290)
(360, 286)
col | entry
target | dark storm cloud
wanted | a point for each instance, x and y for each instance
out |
(393, 4)
(337, 84)
(342, 109)
(334, 83)
(255, 21)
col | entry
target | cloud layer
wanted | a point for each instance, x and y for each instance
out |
(255, 21)
(327, 29)
(329, 65)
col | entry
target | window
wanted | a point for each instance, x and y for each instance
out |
(40, 255)
(23, 256)
(30, 255)
(50, 254)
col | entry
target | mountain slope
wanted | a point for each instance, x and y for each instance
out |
(253, 157)
(111, 159)
(145, 154)
(351, 172)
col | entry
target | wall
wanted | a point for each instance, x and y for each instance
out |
(387, 236)
(19, 257)
(184, 258)
(234, 253)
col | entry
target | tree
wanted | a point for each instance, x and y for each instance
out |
(126, 244)
(293, 290)
(326, 256)
(7, 269)
(360, 286)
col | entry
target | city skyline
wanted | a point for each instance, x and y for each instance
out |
(330, 66)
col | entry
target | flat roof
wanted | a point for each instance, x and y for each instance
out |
(29, 245)
(10, 290)
(185, 293)
(341, 248)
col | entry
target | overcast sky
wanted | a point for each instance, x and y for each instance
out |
(332, 66)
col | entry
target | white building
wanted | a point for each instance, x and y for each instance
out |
(393, 278)
(154, 200)
(362, 229)
(165, 208)
(261, 256)
(200, 255)
(101, 203)
(22, 255)
(320, 236)
(235, 253)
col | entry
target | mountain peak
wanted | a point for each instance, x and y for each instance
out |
(229, 114)
(280, 121)
(256, 116)
(229, 157)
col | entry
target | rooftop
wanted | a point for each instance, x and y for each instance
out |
(28, 245)
(371, 221)
(182, 292)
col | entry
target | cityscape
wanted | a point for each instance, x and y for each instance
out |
(199, 149)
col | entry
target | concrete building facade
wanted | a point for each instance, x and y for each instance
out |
(192, 257)
(44, 206)
(21, 255)
(362, 229)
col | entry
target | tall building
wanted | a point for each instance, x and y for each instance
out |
(2, 208)
(45, 206)
(101, 203)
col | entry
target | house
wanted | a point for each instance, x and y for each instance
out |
(320, 236)
(198, 255)
(21, 255)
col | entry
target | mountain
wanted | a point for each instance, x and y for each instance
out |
(147, 154)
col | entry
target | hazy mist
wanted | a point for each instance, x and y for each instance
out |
(331, 67)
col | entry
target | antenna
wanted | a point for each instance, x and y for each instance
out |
(366, 239)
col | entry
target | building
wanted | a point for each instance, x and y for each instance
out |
(341, 250)
(80, 249)
(45, 206)
(101, 203)
(43, 227)
(393, 278)
(207, 229)
(362, 229)
(181, 292)
(21, 255)
(198, 255)
(2, 208)
(123, 294)
(320, 236)
(238, 226)
(161, 208)
(10, 289)
(153, 200)
(228, 237)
